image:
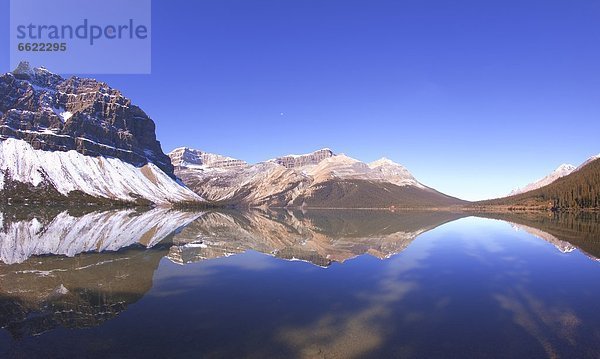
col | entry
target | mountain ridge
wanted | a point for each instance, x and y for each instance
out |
(317, 179)
(80, 139)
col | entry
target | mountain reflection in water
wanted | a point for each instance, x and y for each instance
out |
(77, 269)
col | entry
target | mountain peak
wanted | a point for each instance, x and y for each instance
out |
(40, 76)
(383, 161)
(23, 68)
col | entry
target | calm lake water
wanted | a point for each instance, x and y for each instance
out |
(316, 284)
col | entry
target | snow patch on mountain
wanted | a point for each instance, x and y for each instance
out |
(63, 114)
(96, 176)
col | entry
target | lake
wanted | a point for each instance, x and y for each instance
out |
(298, 284)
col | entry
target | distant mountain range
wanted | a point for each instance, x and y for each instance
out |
(78, 140)
(561, 171)
(318, 179)
(568, 187)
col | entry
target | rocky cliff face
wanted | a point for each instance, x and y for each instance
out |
(56, 114)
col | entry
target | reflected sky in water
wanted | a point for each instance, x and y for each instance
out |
(446, 287)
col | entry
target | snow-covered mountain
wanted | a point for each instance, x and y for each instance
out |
(60, 137)
(561, 171)
(321, 178)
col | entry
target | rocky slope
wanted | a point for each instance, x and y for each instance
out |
(79, 135)
(317, 179)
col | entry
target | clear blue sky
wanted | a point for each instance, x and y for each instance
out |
(473, 97)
